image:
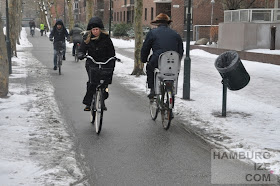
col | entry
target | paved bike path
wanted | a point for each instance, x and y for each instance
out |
(131, 149)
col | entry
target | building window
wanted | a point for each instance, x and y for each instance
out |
(124, 2)
(76, 5)
(114, 16)
(120, 16)
(152, 13)
(123, 16)
(146, 14)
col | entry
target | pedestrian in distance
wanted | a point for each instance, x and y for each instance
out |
(99, 46)
(42, 28)
(76, 34)
(159, 40)
(58, 33)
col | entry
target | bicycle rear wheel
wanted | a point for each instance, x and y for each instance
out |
(166, 110)
(99, 111)
(154, 107)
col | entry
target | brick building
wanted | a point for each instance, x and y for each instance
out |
(123, 12)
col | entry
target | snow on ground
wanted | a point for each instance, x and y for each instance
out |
(36, 147)
(252, 122)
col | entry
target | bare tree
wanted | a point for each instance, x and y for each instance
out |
(70, 14)
(89, 6)
(4, 64)
(237, 4)
(138, 65)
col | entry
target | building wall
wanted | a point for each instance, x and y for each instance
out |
(247, 36)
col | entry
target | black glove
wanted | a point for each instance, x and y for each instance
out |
(51, 39)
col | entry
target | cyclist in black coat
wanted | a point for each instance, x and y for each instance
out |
(58, 33)
(77, 37)
(160, 40)
(99, 46)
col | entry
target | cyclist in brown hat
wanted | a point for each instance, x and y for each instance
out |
(160, 40)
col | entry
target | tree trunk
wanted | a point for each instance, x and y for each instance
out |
(12, 19)
(4, 64)
(70, 15)
(138, 65)
(89, 11)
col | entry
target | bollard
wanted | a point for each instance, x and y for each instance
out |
(272, 38)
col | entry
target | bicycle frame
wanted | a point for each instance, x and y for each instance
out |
(98, 105)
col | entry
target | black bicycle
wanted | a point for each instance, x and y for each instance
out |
(59, 47)
(165, 85)
(76, 52)
(32, 31)
(102, 77)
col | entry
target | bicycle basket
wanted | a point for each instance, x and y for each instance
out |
(97, 74)
(58, 46)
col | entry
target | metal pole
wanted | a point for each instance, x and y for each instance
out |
(110, 17)
(8, 37)
(224, 105)
(187, 61)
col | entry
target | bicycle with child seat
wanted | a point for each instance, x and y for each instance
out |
(103, 77)
(165, 86)
(76, 51)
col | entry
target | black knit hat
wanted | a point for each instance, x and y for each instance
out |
(95, 22)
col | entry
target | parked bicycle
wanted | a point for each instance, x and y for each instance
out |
(165, 85)
(76, 52)
(98, 106)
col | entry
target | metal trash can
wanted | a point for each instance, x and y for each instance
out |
(231, 68)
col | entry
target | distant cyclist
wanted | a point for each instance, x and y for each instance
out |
(99, 46)
(160, 40)
(31, 25)
(58, 33)
(76, 37)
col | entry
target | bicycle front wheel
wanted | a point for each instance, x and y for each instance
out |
(154, 108)
(98, 112)
(59, 62)
(76, 57)
(166, 110)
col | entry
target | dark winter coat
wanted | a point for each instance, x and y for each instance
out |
(59, 34)
(76, 34)
(161, 39)
(100, 49)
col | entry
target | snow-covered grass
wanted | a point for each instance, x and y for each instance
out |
(36, 148)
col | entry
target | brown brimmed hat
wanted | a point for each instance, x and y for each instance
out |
(161, 18)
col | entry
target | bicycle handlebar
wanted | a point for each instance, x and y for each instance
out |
(102, 63)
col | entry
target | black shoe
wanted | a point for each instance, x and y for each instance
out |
(87, 108)
(55, 67)
(73, 54)
(152, 94)
(63, 58)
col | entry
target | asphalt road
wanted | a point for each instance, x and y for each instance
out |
(132, 149)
